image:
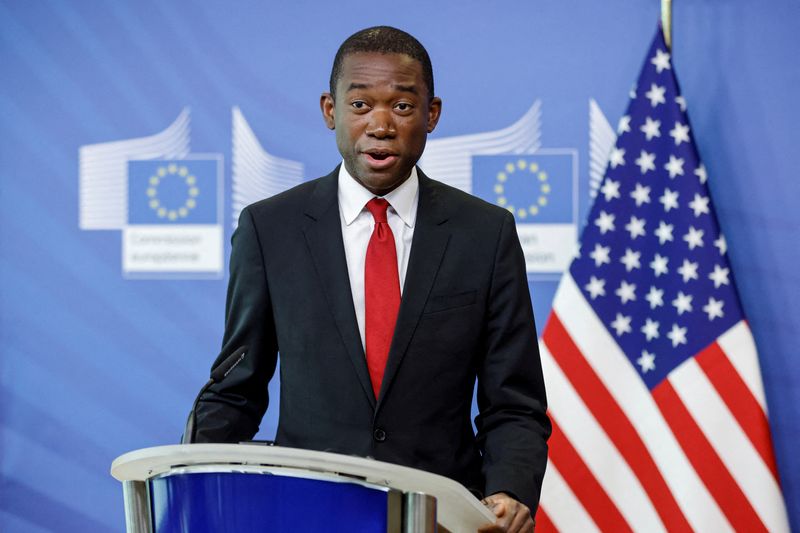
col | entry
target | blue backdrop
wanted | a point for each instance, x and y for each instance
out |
(110, 317)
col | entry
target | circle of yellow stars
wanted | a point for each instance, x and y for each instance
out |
(191, 191)
(541, 178)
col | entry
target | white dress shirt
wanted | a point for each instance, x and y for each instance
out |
(357, 226)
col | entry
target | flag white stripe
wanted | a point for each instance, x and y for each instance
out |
(624, 384)
(738, 345)
(562, 506)
(731, 444)
(593, 445)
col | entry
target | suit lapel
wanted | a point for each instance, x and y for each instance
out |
(323, 235)
(427, 249)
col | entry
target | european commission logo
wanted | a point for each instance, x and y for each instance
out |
(174, 217)
(166, 202)
(540, 190)
(509, 168)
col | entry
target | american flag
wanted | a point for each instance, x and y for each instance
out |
(660, 421)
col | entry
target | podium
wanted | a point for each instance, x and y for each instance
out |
(236, 488)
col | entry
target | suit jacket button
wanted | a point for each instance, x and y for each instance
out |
(379, 435)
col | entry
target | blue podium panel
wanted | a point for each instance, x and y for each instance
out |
(236, 502)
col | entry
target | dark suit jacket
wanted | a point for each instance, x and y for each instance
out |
(465, 313)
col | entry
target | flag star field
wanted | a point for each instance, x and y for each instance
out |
(652, 218)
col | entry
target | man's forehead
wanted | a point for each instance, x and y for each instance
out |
(362, 68)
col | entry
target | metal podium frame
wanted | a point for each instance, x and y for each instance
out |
(417, 502)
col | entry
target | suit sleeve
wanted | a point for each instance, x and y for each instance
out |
(512, 424)
(231, 411)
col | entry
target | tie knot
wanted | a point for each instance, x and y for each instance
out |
(378, 207)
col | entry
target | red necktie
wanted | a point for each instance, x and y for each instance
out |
(381, 293)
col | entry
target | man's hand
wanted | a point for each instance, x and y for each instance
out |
(512, 516)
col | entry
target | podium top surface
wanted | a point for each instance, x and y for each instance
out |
(457, 508)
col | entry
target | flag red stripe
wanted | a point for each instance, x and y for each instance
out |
(706, 462)
(543, 522)
(583, 483)
(737, 396)
(614, 422)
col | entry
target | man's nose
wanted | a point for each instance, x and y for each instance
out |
(381, 124)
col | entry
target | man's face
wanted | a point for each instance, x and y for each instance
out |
(382, 116)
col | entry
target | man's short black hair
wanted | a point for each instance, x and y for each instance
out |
(383, 40)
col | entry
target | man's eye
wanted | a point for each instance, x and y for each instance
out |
(403, 106)
(358, 104)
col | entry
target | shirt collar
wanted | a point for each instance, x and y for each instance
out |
(353, 197)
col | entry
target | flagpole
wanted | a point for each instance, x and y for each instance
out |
(666, 21)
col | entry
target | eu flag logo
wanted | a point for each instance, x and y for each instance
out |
(540, 191)
(535, 188)
(181, 191)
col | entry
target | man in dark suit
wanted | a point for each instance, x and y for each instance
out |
(385, 311)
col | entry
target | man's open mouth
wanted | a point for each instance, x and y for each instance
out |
(380, 159)
(380, 155)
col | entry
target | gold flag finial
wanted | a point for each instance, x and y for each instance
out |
(666, 21)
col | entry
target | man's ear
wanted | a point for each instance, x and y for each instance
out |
(326, 105)
(434, 112)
